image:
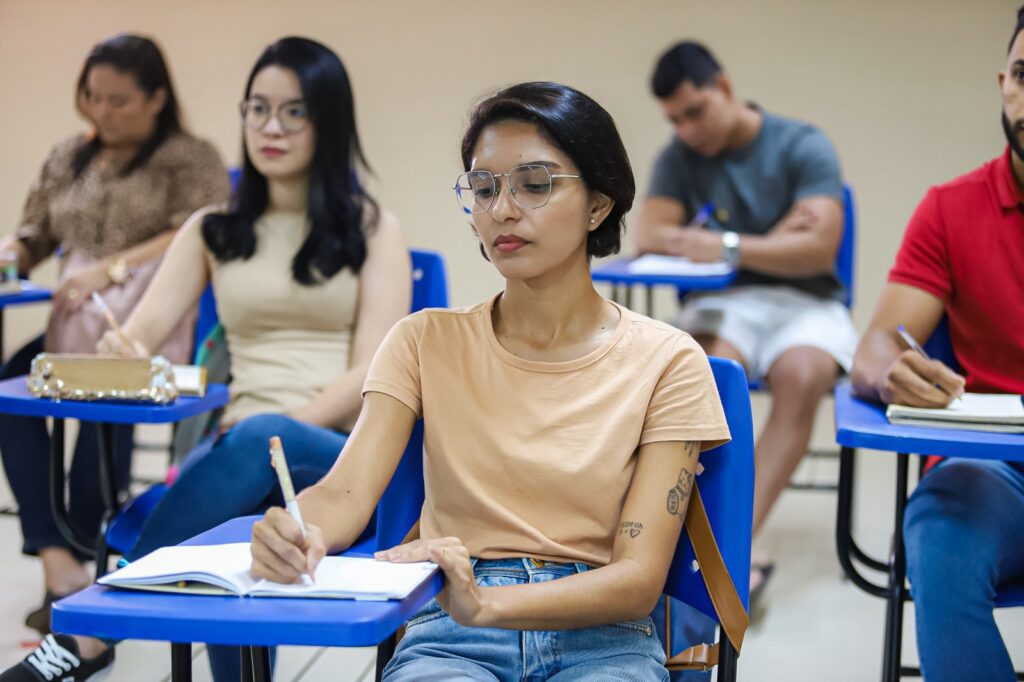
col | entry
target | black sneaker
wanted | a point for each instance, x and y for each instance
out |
(56, 660)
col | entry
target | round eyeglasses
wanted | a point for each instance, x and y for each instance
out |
(257, 112)
(529, 186)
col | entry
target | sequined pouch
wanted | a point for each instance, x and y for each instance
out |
(96, 377)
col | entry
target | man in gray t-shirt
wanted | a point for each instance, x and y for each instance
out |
(764, 193)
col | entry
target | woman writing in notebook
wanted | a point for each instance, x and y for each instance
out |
(558, 425)
(309, 275)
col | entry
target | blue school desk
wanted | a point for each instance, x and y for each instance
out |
(861, 424)
(617, 273)
(30, 293)
(253, 623)
(15, 399)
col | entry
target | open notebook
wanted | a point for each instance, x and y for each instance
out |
(224, 569)
(654, 264)
(973, 411)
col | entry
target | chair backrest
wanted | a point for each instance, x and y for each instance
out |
(400, 506)
(234, 177)
(846, 257)
(727, 489)
(940, 347)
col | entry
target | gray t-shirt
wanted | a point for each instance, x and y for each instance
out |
(752, 188)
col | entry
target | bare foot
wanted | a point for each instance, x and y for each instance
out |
(88, 647)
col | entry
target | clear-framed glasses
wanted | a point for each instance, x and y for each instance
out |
(293, 117)
(529, 186)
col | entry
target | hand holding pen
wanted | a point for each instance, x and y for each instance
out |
(285, 548)
(115, 341)
(917, 380)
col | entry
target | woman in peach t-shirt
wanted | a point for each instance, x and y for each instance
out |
(562, 430)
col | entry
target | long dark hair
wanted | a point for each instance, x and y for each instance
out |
(140, 57)
(337, 201)
(583, 130)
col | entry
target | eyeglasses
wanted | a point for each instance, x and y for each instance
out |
(529, 186)
(257, 112)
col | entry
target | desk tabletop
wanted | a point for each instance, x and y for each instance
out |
(862, 424)
(16, 399)
(112, 613)
(618, 272)
(30, 293)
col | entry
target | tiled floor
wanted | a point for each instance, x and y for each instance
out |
(815, 626)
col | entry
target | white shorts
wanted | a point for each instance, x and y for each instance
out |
(763, 322)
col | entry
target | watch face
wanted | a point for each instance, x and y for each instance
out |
(730, 240)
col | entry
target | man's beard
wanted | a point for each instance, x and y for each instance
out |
(1013, 138)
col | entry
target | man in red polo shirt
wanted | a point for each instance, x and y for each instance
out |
(963, 257)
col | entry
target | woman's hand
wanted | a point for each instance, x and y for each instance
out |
(77, 289)
(112, 343)
(279, 551)
(461, 597)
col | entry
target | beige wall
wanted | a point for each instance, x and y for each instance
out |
(906, 90)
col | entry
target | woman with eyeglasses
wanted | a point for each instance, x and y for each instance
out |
(562, 431)
(107, 203)
(309, 274)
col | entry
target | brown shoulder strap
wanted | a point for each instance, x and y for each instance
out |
(722, 590)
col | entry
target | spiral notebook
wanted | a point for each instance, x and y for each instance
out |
(224, 569)
(1001, 413)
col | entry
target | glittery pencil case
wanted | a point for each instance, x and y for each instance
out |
(62, 376)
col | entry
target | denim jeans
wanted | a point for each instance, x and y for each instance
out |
(964, 536)
(435, 647)
(25, 447)
(229, 476)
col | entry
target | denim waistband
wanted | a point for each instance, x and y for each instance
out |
(525, 567)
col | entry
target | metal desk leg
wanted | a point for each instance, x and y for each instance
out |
(181, 662)
(261, 664)
(385, 652)
(727, 658)
(246, 653)
(649, 301)
(1, 335)
(897, 590)
(108, 492)
(58, 507)
(845, 545)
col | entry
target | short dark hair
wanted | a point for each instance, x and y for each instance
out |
(1016, 29)
(582, 130)
(685, 61)
(140, 58)
(339, 208)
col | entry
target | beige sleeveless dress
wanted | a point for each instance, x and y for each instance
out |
(287, 341)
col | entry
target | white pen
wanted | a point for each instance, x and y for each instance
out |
(111, 320)
(280, 465)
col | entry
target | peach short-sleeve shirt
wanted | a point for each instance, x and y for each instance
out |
(526, 458)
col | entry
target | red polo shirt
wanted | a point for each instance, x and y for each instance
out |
(965, 245)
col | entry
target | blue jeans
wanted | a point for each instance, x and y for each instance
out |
(435, 647)
(25, 447)
(230, 476)
(964, 536)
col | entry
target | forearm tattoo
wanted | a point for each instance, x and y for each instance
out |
(679, 496)
(631, 528)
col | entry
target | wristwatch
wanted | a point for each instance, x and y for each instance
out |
(117, 270)
(731, 248)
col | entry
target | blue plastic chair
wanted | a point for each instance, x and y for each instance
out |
(726, 487)
(429, 290)
(878, 434)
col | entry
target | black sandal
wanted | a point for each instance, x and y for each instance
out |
(39, 620)
(756, 593)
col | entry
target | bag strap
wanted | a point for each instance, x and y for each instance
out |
(728, 605)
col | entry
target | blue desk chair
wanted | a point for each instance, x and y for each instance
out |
(726, 487)
(430, 290)
(863, 425)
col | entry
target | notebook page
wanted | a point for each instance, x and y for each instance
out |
(974, 407)
(355, 578)
(226, 566)
(655, 264)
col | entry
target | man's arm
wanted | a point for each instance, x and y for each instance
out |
(884, 370)
(803, 243)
